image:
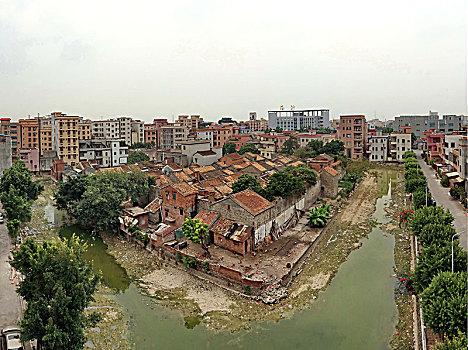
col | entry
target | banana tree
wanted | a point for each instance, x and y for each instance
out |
(318, 217)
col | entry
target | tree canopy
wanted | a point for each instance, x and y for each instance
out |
(314, 148)
(196, 232)
(249, 147)
(229, 147)
(290, 145)
(58, 285)
(137, 157)
(247, 181)
(283, 184)
(429, 215)
(20, 177)
(95, 201)
(444, 304)
(138, 145)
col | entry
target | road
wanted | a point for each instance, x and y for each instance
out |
(442, 197)
(9, 302)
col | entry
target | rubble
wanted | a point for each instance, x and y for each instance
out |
(272, 294)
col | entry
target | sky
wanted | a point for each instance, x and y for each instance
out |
(153, 59)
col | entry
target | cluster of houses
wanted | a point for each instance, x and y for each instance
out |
(239, 222)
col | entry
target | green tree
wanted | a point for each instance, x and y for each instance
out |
(333, 148)
(303, 153)
(413, 173)
(316, 147)
(197, 232)
(290, 145)
(428, 215)
(138, 145)
(58, 285)
(444, 304)
(20, 177)
(409, 154)
(229, 148)
(283, 184)
(13, 227)
(16, 206)
(137, 157)
(318, 217)
(413, 184)
(387, 130)
(419, 198)
(307, 175)
(70, 192)
(435, 259)
(445, 181)
(436, 233)
(247, 181)
(249, 147)
(414, 138)
(457, 343)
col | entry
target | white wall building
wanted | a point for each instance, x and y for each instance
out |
(107, 153)
(378, 148)
(105, 129)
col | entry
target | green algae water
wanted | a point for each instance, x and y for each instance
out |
(357, 310)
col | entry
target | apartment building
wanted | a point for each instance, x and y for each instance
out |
(452, 122)
(170, 135)
(353, 133)
(65, 137)
(299, 119)
(399, 144)
(464, 160)
(30, 136)
(378, 147)
(137, 131)
(13, 130)
(125, 128)
(84, 130)
(105, 129)
(45, 135)
(106, 152)
(151, 133)
(205, 134)
(222, 134)
(191, 122)
(6, 155)
(254, 124)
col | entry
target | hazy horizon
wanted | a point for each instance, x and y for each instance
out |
(150, 60)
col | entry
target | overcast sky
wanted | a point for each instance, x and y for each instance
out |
(152, 59)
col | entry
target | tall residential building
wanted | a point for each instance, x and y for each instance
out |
(400, 142)
(151, 134)
(125, 127)
(378, 147)
(353, 133)
(170, 135)
(299, 119)
(105, 129)
(12, 129)
(84, 130)
(45, 135)
(137, 131)
(107, 153)
(222, 134)
(205, 134)
(30, 136)
(452, 122)
(191, 122)
(65, 137)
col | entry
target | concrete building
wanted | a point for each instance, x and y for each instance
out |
(30, 158)
(418, 123)
(299, 119)
(151, 134)
(45, 131)
(138, 131)
(206, 134)
(191, 122)
(204, 158)
(464, 160)
(399, 144)
(30, 136)
(378, 147)
(12, 129)
(5, 153)
(106, 153)
(353, 133)
(170, 135)
(189, 148)
(46, 160)
(125, 128)
(65, 137)
(84, 130)
(452, 122)
(105, 129)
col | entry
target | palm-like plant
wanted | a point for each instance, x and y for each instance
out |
(318, 217)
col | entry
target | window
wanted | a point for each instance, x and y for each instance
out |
(166, 212)
(167, 194)
(229, 207)
(181, 211)
(174, 195)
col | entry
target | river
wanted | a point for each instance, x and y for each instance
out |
(356, 311)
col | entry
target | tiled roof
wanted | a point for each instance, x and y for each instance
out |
(331, 171)
(259, 167)
(297, 163)
(212, 182)
(205, 169)
(164, 180)
(234, 156)
(154, 205)
(180, 175)
(207, 217)
(241, 166)
(222, 225)
(184, 188)
(206, 153)
(224, 189)
(232, 178)
(251, 201)
(324, 156)
(228, 172)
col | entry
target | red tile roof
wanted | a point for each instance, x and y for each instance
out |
(331, 171)
(251, 201)
(208, 217)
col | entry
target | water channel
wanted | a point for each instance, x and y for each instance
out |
(357, 310)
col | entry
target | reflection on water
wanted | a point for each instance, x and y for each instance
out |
(113, 275)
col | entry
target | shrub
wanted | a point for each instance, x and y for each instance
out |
(318, 217)
(445, 181)
(190, 262)
(412, 185)
(248, 290)
(206, 265)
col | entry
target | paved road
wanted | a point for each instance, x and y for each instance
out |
(443, 198)
(9, 302)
